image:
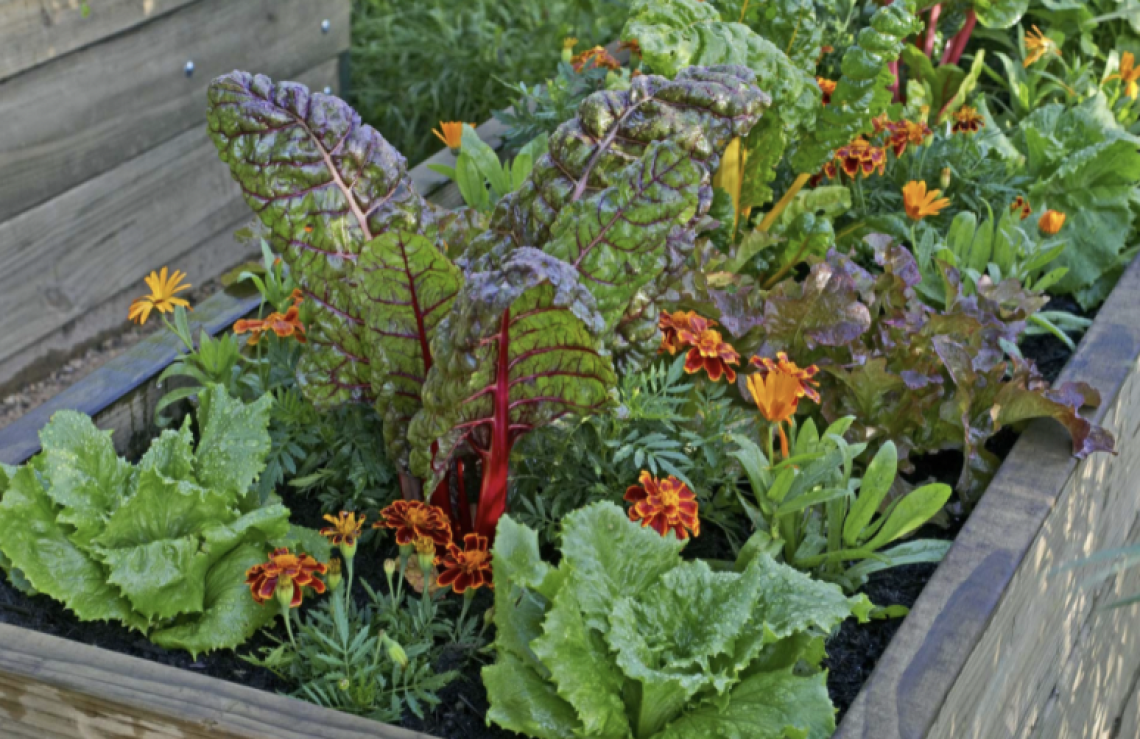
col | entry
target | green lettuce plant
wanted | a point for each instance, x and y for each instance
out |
(467, 335)
(161, 546)
(626, 640)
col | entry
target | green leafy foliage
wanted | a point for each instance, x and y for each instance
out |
(162, 546)
(625, 639)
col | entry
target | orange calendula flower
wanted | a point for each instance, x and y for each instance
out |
(1021, 205)
(1050, 222)
(967, 120)
(919, 203)
(284, 576)
(861, 156)
(413, 519)
(827, 87)
(672, 324)
(466, 568)
(283, 325)
(452, 135)
(1129, 75)
(907, 133)
(777, 388)
(664, 505)
(163, 288)
(711, 353)
(1038, 45)
(345, 530)
(593, 59)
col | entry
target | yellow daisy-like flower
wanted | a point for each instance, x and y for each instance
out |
(1050, 222)
(1129, 75)
(1038, 46)
(452, 135)
(919, 203)
(163, 288)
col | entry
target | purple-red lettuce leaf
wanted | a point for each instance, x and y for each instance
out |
(324, 184)
(520, 347)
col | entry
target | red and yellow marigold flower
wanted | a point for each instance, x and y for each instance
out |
(777, 387)
(1021, 207)
(163, 287)
(413, 519)
(919, 203)
(711, 353)
(466, 568)
(968, 120)
(1038, 45)
(283, 576)
(663, 505)
(861, 156)
(1129, 75)
(594, 58)
(452, 134)
(827, 87)
(1051, 222)
(284, 326)
(345, 530)
(671, 325)
(907, 133)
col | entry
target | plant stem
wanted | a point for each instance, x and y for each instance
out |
(957, 44)
(778, 208)
(771, 281)
(931, 29)
(287, 612)
(348, 587)
(894, 88)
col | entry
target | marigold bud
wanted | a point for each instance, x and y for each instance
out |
(944, 180)
(395, 652)
(344, 684)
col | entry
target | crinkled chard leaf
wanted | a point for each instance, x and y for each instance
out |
(325, 184)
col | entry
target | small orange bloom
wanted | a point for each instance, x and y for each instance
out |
(671, 324)
(1051, 221)
(283, 325)
(861, 156)
(777, 388)
(594, 58)
(452, 135)
(413, 519)
(465, 568)
(711, 353)
(827, 87)
(286, 574)
(1020, 204)
(633, 46)
(919, 203)
(906, 133)
(663, 505)
(345, 529)
(1038, 45)
(161, 298)
(1129, 75)
(967, 120)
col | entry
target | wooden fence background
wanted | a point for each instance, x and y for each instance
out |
(106, 171)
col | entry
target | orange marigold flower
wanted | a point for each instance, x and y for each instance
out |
(827, 87)
(777, 388)
(452, 135)
(593, 59)
(968, 120)
(1021, 204)
(413, 519)
(1129, 74)
(711, 353)
(861, 156)
(1051, 221)
(919, 203)
(345, 530)
(283, 325)
(671, 325)
(633, 46)
(1038, 45)
(284, 576)
(906, 133)
(465, 568)
(163, 288)
(663, 505)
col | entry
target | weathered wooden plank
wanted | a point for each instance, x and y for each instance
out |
(70, 267)
(52, 688)
(86, 113)
(989, 639)
(35, 31)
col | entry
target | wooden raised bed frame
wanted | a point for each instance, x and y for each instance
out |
(996, 646)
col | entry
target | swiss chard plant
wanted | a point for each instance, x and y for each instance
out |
(625, 640)
(161, 546)
(467, 335)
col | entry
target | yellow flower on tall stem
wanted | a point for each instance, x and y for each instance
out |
(163, 288)
(1129, 75)
(919, 203)
(1051, 222)
(777, 388)
(1038, 45)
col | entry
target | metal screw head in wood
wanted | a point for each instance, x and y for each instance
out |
(328, 90)
(189, 68)
(325, 25)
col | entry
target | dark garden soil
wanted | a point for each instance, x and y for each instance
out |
(852, 652)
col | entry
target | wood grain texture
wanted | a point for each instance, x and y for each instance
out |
(70, 267)
(993, 643)
(88, 112)
(35, 31)
(51, 688)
